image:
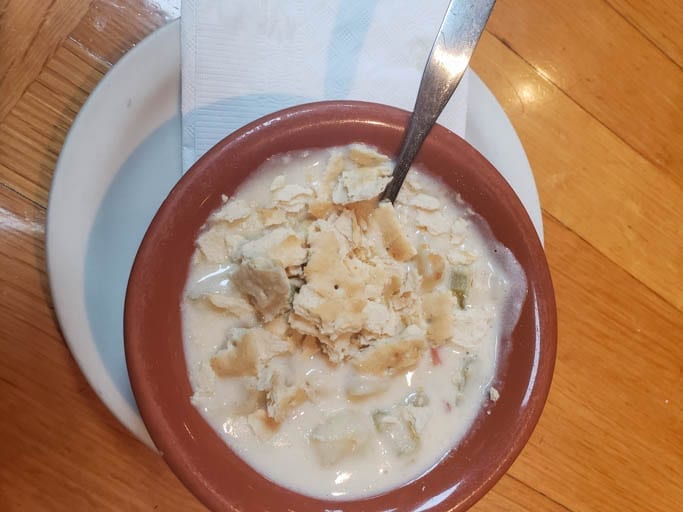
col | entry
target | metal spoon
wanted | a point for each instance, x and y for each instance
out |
(459, 34)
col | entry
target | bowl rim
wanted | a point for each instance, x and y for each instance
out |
(146, 399)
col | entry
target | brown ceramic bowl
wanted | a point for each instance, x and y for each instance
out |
(154, 348)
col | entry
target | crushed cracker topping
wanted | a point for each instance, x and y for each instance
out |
(324, 268)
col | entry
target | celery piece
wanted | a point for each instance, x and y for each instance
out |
(460, 283)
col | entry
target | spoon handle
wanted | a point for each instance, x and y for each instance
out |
(460, 31)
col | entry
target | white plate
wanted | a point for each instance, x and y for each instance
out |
(120, 159)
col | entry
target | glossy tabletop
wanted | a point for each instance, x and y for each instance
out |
(594, 89)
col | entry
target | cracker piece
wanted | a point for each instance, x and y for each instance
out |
(332, 320)
(347, 226)
(320, 209)
(272, 216)
(363, 209)
(457, 256)
(412, 314)
(412, 182)
(327, 315)
(291, 193)
(380, 320)
(438, 307)
(247, 351)
(282, 245)
(434, 222)
(431, 267)
(392, 355)
(340, 348)
(395, 277)
(263, 427)
(266, 285)
(295, 273)
(335, 166)
(321, 205)
(366, 156)
(408, 293)
(302, 324)
(342, 314)
(334, 295)
(325, 271)
(234, 306)
(361, 184)
(309, 346)
(292, 198)
(392, 287)
(395, 241)
(233, 210)
(203, 380)
(411, 186)
(459, 231)
(422, 201)
(376, 281)
(277, 326)
(219, 243)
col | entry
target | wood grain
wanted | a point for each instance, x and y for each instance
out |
(589, 178)
(511, 495)
(661, 22)
(36, 127)
(614, 412)
(605, 65)
(59, 436)
(31, 31)
(594, 89)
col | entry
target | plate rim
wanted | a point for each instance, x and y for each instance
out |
(100, 382)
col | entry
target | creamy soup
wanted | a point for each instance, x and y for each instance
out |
(342, 347)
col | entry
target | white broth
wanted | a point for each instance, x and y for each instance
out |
(336, 357)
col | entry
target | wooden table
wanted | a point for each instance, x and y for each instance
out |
(595, 91)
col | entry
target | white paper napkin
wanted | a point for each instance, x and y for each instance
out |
(242, 59)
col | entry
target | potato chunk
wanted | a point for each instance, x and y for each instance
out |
(339, 436)
(402, 426)
(363, 386)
